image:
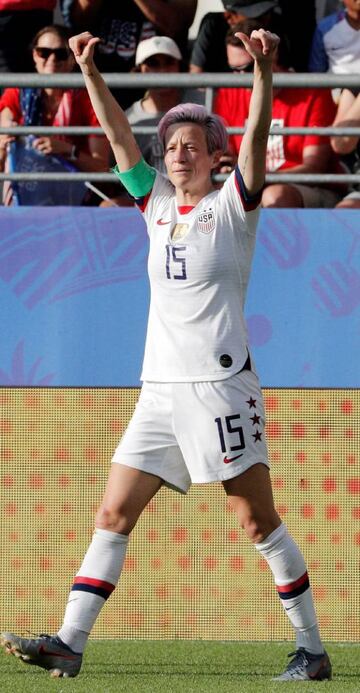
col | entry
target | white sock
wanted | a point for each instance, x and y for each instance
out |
(93, 584)
(292, 583)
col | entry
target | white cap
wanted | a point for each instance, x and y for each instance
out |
(155, 45)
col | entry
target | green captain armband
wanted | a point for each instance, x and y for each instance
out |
(138, 180)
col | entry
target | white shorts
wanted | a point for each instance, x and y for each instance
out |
(196, 432)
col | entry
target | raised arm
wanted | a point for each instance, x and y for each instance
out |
(261, 45)
(110, 115)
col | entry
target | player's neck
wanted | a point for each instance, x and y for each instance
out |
(190, 198)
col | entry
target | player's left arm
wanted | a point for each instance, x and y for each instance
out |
(261, 45)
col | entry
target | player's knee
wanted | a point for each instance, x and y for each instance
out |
(113, 519)
(258, 528)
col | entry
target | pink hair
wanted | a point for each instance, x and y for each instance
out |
(215, 131)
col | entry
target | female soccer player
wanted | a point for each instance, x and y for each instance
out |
(200, 415)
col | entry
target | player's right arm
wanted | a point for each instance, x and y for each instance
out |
(110, 115)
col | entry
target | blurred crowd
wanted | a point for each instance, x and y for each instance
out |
(142, 36)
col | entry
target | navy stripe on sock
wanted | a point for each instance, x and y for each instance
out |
(82, 587)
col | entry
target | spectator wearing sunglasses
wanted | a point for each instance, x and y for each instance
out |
(292, 107)
(54, 107)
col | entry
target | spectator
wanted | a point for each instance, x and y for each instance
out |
(209, 50)
(348, 147)
(122, 25)
(20, 20)
(53, 106)
(292, 107)
(336, 42)
(295, 21)
(157, 54)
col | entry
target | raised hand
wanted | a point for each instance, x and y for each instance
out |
(261, 45)
(83, 45)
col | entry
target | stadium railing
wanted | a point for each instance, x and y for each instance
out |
(206, 81)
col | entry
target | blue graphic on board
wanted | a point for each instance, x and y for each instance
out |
(74, 297)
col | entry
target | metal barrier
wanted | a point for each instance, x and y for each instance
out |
(206, 81)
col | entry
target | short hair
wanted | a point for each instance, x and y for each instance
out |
(215, 130)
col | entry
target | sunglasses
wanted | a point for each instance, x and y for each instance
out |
(60, 54)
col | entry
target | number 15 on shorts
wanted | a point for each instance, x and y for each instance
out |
(228, 424)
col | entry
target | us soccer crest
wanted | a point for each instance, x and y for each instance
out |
(206, 221)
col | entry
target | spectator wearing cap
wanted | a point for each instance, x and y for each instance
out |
(209, 51)
(293, 20)
(122, 25)
(158, 54)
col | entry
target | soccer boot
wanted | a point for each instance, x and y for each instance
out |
(46, 651)
(306, 667)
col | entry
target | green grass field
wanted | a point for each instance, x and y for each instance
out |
(181, 667)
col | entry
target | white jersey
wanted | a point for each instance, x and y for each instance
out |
(199, 264)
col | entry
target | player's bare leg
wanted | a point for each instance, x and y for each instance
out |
(251, 497)
(127, 493)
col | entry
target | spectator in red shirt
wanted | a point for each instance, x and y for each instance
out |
(292, 107)
(53, 106)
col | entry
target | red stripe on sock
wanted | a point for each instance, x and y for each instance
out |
(293, 585)
(97, 583)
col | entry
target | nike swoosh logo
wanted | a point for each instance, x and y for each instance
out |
(160, 222)
(231, 459)
(42, 651)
